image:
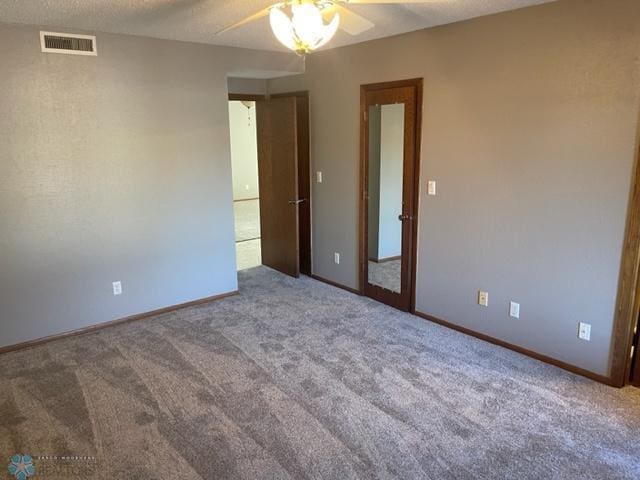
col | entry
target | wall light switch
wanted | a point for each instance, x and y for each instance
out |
(336, 258)
(584, 331)
(483, 298)
(319, 177)
(117, 288)
(431, 187)
(514, 310)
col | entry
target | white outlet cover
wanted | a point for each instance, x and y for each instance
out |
(336, 258)
(319, 177)
(117, 288)
(584, 331)
(431, 187)
(514, 310)
(483, 298)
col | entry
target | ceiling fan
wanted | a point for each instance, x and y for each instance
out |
(300, 24)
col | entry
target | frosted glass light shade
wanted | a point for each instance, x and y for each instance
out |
(305, 30)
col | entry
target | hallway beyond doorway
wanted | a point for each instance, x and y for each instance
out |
(246, 202)
(247, 221)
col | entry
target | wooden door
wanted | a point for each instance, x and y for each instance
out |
(278, 183)
(390, 127)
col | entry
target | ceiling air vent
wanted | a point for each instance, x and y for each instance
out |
(53, 42)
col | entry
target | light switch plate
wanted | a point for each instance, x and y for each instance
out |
(319, 177)
(514, 310)
(431, 187)
(117, 288)
(336, 258)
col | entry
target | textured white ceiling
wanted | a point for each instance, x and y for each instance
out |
(198, 20)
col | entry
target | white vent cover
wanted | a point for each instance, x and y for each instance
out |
(53, 42)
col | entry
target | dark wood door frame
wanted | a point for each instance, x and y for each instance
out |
(248, 97)
(628, 300)
(417, 84)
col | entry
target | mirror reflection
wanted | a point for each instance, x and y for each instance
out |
(386, 154)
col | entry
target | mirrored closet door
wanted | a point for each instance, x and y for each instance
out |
(389, 173)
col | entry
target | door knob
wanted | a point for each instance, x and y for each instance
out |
(297, 202)
(402, 217)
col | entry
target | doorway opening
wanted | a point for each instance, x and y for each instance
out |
(246, 191)
(271, 181)
(390, 153)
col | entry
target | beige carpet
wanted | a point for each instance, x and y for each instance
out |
(248, 254)
(247, 219)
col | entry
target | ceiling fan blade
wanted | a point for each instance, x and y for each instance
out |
(350, 22)
(251, 18)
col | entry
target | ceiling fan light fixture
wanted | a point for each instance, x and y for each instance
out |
(305, 30)
(282, 28)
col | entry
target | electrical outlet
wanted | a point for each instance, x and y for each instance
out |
(514, 310)
(483, 298)
(117, 288)
(584, 331)
(336, 258)
(319, 177)
(431, 187)
(247, 187)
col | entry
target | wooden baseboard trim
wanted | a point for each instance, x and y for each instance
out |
(335, 284)
(529, 353)
(112, 323)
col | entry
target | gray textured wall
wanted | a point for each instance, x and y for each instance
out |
(529, 128)
(251, 86)
(113, 167)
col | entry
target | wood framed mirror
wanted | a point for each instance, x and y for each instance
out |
(390, 126)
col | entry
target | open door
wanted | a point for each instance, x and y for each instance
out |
(278, 182)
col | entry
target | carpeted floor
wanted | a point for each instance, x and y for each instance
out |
(247, 226)
(247, 219)
(248, 254)
(297, 379)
